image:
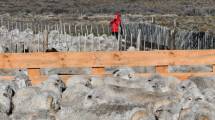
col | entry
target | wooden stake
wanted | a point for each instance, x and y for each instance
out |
(32, 73)
(45, 36)
(81, 29)
(69, 28)
(162, 69)
(87, 30)
(75, 30)
(91, 29)
(103, 29)
(138, 39)
(64, 29)
(16, 25)
(97, 30)
(98, 71)
(131, 44)
(85, 42)
(79, 42)
(8, 25)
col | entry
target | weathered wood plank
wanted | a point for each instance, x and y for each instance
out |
(32, 72)
(98, 71)
(102, 59)
(213, 67)
(99, 60)
(162, 69)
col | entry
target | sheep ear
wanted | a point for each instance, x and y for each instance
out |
(114, 72)
(12, 90)
(6, 95)
(55, 84)
(90, 79)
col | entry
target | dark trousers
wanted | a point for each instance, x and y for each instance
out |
(115, 34)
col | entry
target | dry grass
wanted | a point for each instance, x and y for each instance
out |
(107, 6)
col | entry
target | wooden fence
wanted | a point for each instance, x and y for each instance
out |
(99, 60)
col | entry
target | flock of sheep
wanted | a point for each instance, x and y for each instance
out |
(121, 96)
(27, 41)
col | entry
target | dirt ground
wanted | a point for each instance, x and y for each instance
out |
(180, 7)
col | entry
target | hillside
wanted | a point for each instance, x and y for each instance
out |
(181, 7)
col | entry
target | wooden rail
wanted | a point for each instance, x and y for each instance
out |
(99, 60)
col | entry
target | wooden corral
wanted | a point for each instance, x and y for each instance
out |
(99, 60)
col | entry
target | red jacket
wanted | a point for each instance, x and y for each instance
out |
(115, 23)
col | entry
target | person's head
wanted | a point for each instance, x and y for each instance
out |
(117, 15)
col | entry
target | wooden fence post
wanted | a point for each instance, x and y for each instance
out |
(32, 73)
(98, 71)
(138, 40)
(162, 69)
(75, 30)
(45, 44)
(213, 68)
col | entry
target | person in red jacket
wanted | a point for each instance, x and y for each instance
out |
(116, 24)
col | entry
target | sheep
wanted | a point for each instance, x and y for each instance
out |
(102, 100)
(185, 86)
(124, 72)
(95, 98)
(191, 98)
(47, 96)
(111, 94)
(22, 96)
(6, 94)
(139, 83)
(188, 98)
(153, 83)
(7, 86)
(21, 80)
(32, 108)
(41, 115)
(33, 100)
(157, 83)
(84, 80)
(77, 88)
(51, 93)
(104, 42)
(72, 100)
(71, 114)
(198, 110)
(197, 68)
(209, 95)
(4, 116)
(54, 83)
(102, 105)
(141, 114)
(165, 114)
(148, 69)
(204, 82)
(45, 101)
(96, 81)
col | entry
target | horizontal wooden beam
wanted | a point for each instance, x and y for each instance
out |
(104, 59)
(99, 60)
(180, 76)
